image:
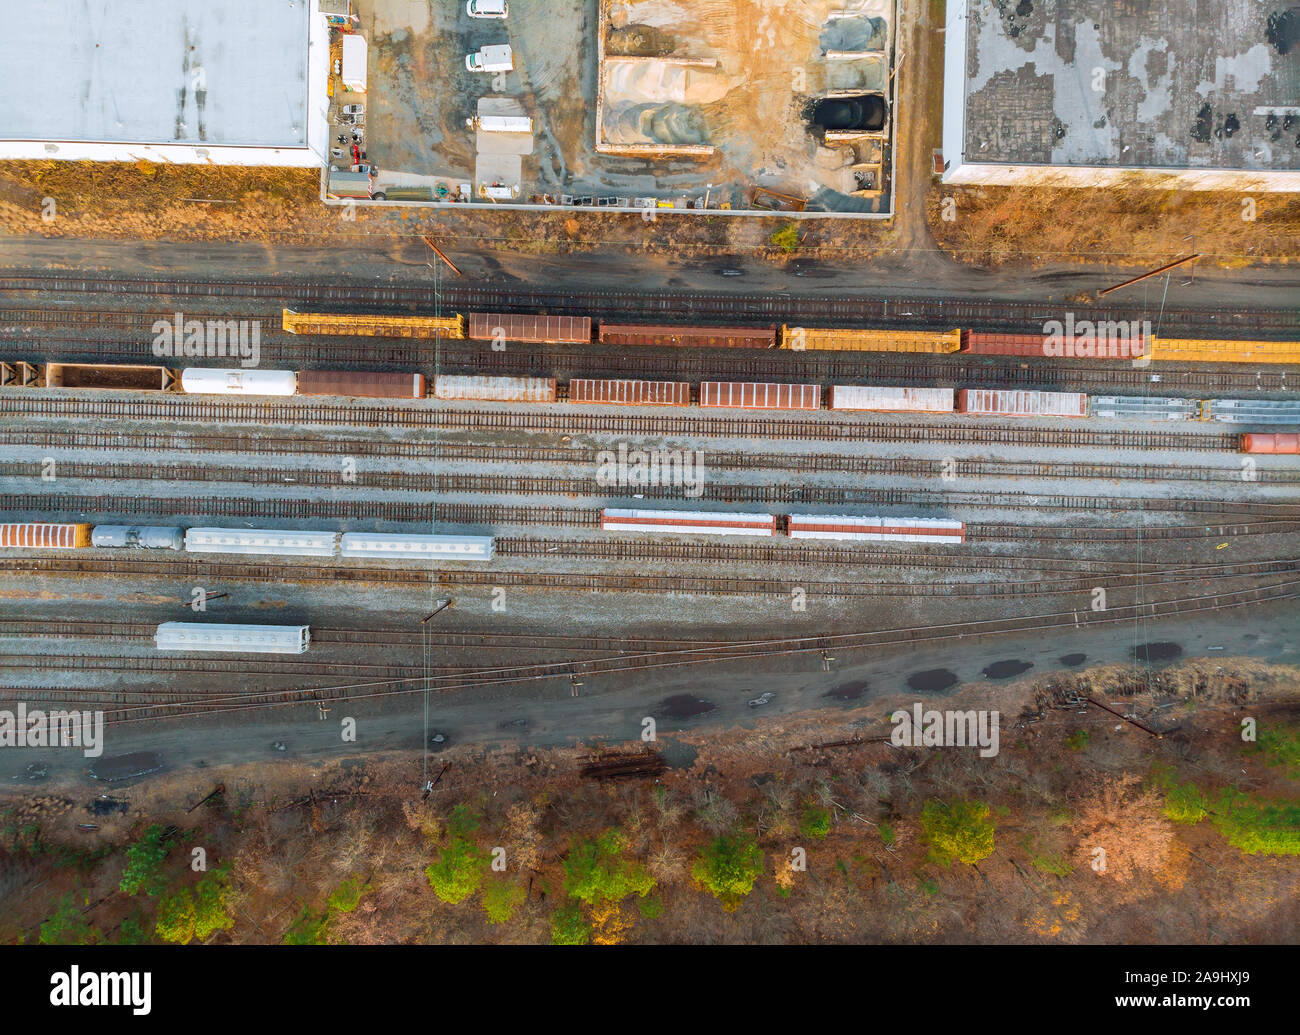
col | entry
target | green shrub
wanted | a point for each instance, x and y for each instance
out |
(816, 822)
(728, 867)
(787, 238)
(501, 898)
(144, 861)
(960, 831)
(595, 870)
(568, 926)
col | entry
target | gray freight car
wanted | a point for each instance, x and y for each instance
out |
(138, 537)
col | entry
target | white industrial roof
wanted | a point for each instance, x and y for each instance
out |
(233, 73)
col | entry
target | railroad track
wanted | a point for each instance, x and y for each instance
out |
(133, 706)
(452, 481)
(102, 508)
(197, 572)
(567, 362)
(566, 421)
(633, 306)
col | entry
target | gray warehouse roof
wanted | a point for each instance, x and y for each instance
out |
(1132, 83)
(218, 72)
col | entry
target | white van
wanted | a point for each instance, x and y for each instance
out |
(487, 8)
(501, 123)
(491, 59)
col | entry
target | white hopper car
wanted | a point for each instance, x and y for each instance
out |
(234, 639)
(444, 547)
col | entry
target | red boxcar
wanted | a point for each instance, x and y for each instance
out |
(361, 384)
(1043, 346)
(752, 395)
(630, 393)
(546, 330)
(1272, 442)
(694, 337)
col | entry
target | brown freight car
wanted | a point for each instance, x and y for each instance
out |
(1085, 341)
(750, 395)
(361, 384)
(1271, 442)
(630, 393)
(43, 535)
(109, 376)
(690, 337)
(545, 330)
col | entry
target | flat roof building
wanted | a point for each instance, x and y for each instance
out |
(1085, 92)
(235, 82)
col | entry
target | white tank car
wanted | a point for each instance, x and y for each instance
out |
(271, 541)
(138, 537)
(233, 639)
(444, 547)
(236, 381)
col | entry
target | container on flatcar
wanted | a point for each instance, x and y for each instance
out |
(1021, 403)
(687, 337)
(375, 326)
(1193, 350)
(233, 639)
(891, 400)
(271, 541)
(630, 393)
(45, 535)
(798, 339)
(545, 330)
(1143, 407)
(877, 529)
(1254, 411)
(138, 537)
(444, 547)
(237, 381)
(108, 376)
(1084, 340)
(456, 387)
(1271, 442)
(685, 522)
(751, 395)
(361, 384)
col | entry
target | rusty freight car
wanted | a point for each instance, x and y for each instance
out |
(687, 337)
(752, 395)
(630, 393)
(544, 330)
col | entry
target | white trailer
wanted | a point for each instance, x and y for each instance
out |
(688, 522)
(271, 541)
(444, 547)
(236, 381)
(354, 63)
(233, 639)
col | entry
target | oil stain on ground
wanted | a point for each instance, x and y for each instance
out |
(932, 680)
(1006, 669)
(684, 706)
(1162, 651)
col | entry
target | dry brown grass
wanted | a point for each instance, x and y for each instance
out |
(1036, 226)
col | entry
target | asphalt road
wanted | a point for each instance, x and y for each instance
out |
(406, 261)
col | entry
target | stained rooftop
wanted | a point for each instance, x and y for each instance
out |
(232, 72)
(1141, 83)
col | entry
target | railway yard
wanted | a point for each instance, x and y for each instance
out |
(1130, 531)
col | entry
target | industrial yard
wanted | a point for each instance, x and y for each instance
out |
(493, 571)
(635, 105)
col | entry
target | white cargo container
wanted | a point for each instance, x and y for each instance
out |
(1021, 403)
(138, 537)
(354, 63)
(494, 389)
(442, 547)
(891, 400)
(235, 639)
(687, 522)
(235, 381)
(876, 529)
(271, 541)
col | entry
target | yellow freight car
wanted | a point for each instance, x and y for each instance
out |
(374, 326)
(798, 339)
(1195, 350)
